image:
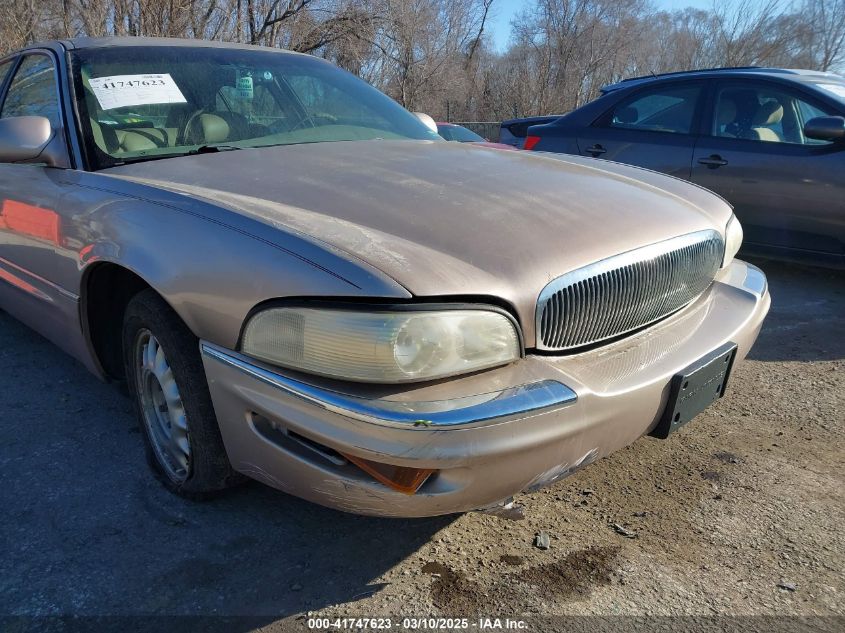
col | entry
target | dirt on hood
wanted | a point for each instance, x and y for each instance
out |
(446, 218)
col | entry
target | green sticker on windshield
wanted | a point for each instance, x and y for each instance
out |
(245, 90)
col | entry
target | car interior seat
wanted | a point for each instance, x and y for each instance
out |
(107, 138)
(746, 103)
(159, 137)
(239, 127)
(769, 113)
(206, 128)
(790, 125)
(104, 137)
(112, 140)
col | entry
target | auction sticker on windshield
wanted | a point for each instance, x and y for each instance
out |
(119, 91)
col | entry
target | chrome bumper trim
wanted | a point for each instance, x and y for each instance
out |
(477, 410)
(748, 277)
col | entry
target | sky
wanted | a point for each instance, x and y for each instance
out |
(505, 10)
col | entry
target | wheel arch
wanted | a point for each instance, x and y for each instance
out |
(107, 288)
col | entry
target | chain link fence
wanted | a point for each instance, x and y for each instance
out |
(487, 129)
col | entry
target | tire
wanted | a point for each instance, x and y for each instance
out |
(165, 376)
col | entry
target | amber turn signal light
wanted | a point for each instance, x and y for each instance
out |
(400, 478)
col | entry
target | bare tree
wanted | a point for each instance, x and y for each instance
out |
(435, 55)
(22, 21)
(825, 25)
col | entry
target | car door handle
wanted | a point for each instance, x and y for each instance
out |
(714, 160)
(596, 150)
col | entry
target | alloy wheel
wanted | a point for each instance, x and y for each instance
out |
(162, 407)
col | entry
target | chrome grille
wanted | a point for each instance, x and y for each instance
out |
(627, 291)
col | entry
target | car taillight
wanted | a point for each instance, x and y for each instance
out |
(530, 142)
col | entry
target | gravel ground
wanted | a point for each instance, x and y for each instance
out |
(740, 514)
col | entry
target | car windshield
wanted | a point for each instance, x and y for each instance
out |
(458, 133)
(141, 103)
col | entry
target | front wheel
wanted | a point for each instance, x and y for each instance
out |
(165, 376)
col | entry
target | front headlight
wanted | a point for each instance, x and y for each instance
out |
(733, 240)
(382, 346)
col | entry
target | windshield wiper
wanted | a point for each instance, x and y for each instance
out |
(210, 149)
(143, 159)
(202, 149)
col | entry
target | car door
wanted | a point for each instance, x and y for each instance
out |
(653, 127)
(33, 244)
(788, 190)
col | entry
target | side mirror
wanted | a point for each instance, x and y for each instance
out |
(825, 128)
(429, 122)
(24, 138)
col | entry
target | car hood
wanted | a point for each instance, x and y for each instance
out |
(447, 219)
(494, 145)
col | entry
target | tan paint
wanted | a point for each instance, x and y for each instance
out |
(443, 218)
(622, 390)
(218, 234)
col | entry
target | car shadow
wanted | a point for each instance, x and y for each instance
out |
(807, 318)
(91, 533)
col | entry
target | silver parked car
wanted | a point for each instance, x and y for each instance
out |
(301, 284)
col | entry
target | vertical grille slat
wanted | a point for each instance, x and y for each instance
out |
(627, 291)
(605, 301)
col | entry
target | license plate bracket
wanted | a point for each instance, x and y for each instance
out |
(695, 388)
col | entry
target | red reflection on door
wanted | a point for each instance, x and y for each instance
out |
(26, 219)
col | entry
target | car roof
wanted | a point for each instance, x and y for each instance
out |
(79, 43)
(792, 74)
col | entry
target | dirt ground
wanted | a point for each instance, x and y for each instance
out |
(742, 513)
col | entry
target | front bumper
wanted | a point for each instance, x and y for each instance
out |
(489, 435)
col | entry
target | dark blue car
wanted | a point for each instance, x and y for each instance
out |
(513, 131)
(770, 141)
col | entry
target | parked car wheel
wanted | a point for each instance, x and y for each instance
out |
(166, 378)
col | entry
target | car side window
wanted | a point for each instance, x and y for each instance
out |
(33, 90)
(663, 109)
(764, 113)
(807, 111)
